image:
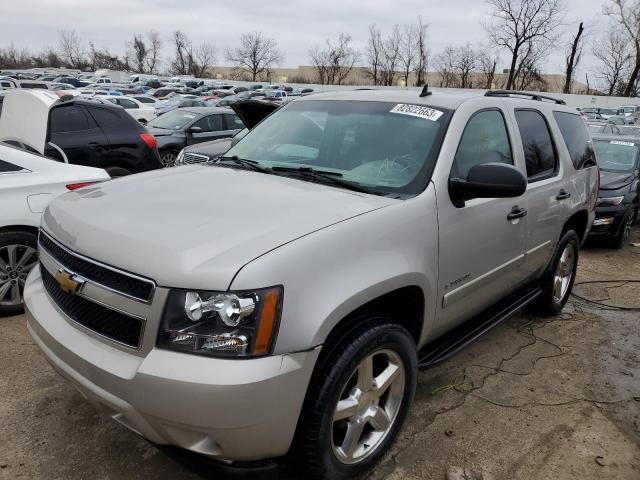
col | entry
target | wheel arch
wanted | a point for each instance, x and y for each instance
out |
(577, 222)
(25, 228)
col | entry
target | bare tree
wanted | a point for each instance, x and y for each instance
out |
(183, 53)
(487, 63)
(465, 63)
(256, 54)
(573, 57)
(422, 52)
(374, 54)
(627, 13)
(138, 53)
(518, 23)
(444, 65)
(615, 57)
(408, 51)
(391, 56)
(528, 75)
(153, 51)
(204, 57)
(103, 58)
(72, 50)
(335, 62)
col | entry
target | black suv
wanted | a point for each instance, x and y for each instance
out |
(100, 135)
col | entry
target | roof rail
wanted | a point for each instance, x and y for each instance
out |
(532, 96)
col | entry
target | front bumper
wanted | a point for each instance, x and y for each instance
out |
(608, 220)
(232, 410)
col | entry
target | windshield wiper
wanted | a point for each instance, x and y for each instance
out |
(243, 162)
(327, 177)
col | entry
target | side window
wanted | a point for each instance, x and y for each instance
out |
(104, 118)
(212, 123)
(126, 103)
(484, 140)
(233, 122)
(576, 138)
(68, 119)
(6, 167)
(539, 152)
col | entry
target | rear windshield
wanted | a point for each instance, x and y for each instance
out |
(616, 155)
(380, 145)
(174, 120)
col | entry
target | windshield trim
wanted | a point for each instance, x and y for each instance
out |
(422, 178)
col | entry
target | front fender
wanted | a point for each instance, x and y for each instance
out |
(331, 272)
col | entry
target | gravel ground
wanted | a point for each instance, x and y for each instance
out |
(535, 398)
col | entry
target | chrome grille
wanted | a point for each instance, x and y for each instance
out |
(191, 158)
(117, 280)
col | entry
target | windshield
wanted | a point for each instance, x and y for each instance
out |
(616, 155)
(174, 120)
(375, 144)
(596, 128)
(608, 111)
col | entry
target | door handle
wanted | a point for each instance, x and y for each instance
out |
(563, 195)
(516, 212)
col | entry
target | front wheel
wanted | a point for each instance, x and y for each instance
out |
(18, 255)
(623, 236)
(168, 157)
(358, 400)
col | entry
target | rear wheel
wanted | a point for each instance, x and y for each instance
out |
(18, 255)
(168, 157)
(358, 401)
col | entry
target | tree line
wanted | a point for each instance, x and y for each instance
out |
(519, 33)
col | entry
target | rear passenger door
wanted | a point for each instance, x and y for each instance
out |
(212, 127)
(481, 249)
(77, 134)
(546, 195)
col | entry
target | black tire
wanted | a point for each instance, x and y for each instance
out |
(23, 239)
(115, 172)
(548, 304)
(314, 441)
(623, 236)
(168, 157)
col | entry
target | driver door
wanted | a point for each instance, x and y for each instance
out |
(481, 250)
(212, 129)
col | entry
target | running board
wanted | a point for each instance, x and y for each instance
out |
(452, 342)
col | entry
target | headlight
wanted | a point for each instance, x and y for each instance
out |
(180, 158)
(229, 324)
(609, 201)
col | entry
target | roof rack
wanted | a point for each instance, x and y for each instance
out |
(532, 96)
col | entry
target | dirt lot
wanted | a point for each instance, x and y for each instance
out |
(533, 399)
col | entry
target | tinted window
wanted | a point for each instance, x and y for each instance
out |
(575, 135)
(484, 140)
(68, 119)
(105, 118)
(212, 123)
(233, 122)
(145, 100)
(126, 103)
(539, 153)
(6, 167)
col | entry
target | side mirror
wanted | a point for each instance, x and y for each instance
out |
(488, 180)
(195, 129)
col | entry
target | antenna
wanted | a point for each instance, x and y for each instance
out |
(425, 91)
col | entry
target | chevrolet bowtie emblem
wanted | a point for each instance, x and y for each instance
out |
(67, 281)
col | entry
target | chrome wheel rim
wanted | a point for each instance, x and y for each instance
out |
(16, 261)
(564, 273)
(368, 406)
(168, 159)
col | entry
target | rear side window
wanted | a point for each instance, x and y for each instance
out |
(539, 152)
(105, 118)
(233, 122)
(7, 167)
(576, 138)
(212, 123)
(68, 119)
(484, 140)
(126, 103)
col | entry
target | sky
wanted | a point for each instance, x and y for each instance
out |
(296, 25)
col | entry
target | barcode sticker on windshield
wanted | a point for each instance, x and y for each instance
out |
(626, 144)
(417, 111)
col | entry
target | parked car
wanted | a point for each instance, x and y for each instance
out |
(28, 182)
(77, 83)
(146, 99)
(628, 110)
(82, 132)
(178, 102)
(190, 125)
(163, 92)
(619, 198)
(250, 112)
(604, 128)
(222, 102)
(142, 112)
(276, 96)
(348, 239)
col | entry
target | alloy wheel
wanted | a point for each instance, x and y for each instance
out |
(168, 159)
(564, 273)
(368, 406)
(16, 261)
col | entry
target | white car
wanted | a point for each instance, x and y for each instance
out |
(28, 182)
(142, 112)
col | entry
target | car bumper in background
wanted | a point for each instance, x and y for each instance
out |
(232, 410)
(608, 220)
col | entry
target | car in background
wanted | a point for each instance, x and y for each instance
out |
(250, 112)
(628, 110)
(146, 99)
(178, 102)
(163, 92)
(276, 96)
(618, 200)
(78, 131)
(28, 183)
(604, 128)
(142, 112)
(61, 86)
(190, 125)
(222, 102)
(77, 83)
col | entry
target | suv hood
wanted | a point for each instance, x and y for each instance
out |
(615, 180)
(252, 112)
(196, 226)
